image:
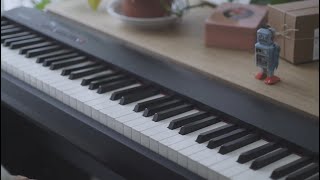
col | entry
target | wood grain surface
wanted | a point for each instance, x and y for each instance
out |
(183, 44)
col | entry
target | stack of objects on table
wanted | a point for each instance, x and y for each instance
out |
(298, 26)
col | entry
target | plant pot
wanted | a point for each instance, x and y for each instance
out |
(145, 8)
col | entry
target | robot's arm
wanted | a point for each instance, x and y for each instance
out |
(276, 55)
(255, 53)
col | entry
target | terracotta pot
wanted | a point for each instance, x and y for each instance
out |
(145, 8)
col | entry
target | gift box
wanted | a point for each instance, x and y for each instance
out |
(234, 26)
(297, 27)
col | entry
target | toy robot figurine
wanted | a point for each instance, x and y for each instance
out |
(267, 55)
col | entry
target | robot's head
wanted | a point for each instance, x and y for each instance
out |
(265, 36)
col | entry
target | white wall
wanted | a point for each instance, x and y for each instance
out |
(10, 4)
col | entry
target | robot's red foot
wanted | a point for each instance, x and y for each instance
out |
(261, 76)
(272, 80)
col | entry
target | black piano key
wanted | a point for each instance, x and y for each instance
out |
(3, 38)
(138, 96)
(44, 50)
(206, 136)
(68, 71)
(143, 105)
(112, 78)
(28, 42)
(66, 63)
(150, 111)
(290, 168)
(49, 61)
(171, 112)
(305, 172)
(115, 85)
(11, 31)
(87, 72)
(26, 49)
(10, 26)
(239, 143)
(313, 177)
(269, 158)
(86, 81)
(4, 22)
(42, 57)
(257, 152)
(191, 127)
(119, 94)
(8, 42)
(223, 139)
(187, 119)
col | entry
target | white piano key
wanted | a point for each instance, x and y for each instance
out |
(101, 106)
(133, 128)
(119, 127)
(118, 113)
(82, 92)
(185, 153)
(215, 164)
(17, 70)
(129, 124)
(70, 88)
(147, 123)
(68, 93)
(194, 159)
(173, 153)
(127, 109)
(265, 172)
(16, 66)
(46, 85)
(89, 97)
(179, 146)
(104, 113)
(88, 105)
(159, 127)
(164, 145)
(138, 130)
(42, 82)
(96, 108)
(146, 135)
(49, 78)
(35, 73)
(155, 139)
(57, 89)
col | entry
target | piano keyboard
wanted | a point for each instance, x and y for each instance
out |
(207, 144)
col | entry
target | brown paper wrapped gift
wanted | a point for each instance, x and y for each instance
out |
(297, 25)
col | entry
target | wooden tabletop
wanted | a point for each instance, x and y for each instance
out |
(183, 44)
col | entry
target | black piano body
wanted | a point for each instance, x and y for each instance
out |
(78, 138)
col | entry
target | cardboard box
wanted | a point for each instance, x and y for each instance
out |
(234, 26)
(298, 26)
